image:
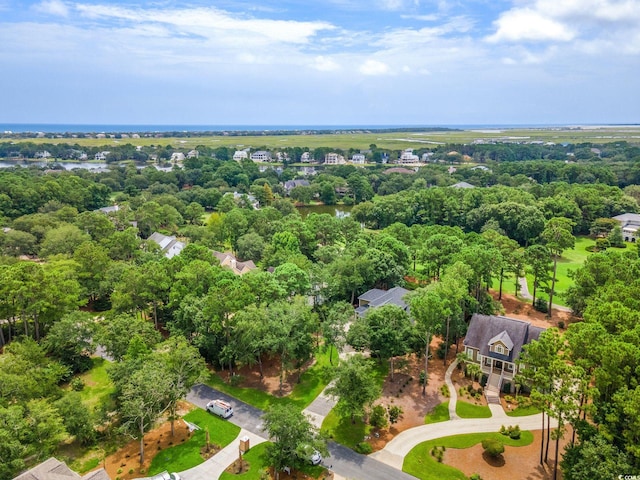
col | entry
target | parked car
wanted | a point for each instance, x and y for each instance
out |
(220, 408)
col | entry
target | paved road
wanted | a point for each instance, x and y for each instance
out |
(344, 461)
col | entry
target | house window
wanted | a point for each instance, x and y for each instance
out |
(509, 367)
(498, 349)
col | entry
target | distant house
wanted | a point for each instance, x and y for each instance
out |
(169, 246)
(261, 156)
(193, 154)
(481, 167)
(177, 157)
(462, 185)
(109, 209)
(101, 156)
(229, 261)
(630, 223)
(407, 157)
(241, 197)
(240, 155)
(291, 184)
(43, 154)
(306, 158)
(495, 343)
(377, 298)
(358, 158)
(334, 159)
(54, 469)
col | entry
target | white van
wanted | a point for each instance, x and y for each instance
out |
(220, 408)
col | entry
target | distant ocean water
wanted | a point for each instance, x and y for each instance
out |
(98, 128)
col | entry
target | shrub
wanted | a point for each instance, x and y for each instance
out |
(77, 384)
(395, 413)
(492, 447)
(378, 417)
(442, 350)
(561, 325)
(515, 433)
(541, 305)
(423, 377)
(236, 380)
(475, 476)
(483, 380)
(444, 390)
(364, 448)
(508, 399)
(506, 387)
(438, 453)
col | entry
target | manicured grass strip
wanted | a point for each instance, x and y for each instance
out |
(468, 410)
(311, 384)
(256, 457)
(257, 463)
(440, 413)
(187, 455)
(523, 411)
(420, 463)
(98, 386)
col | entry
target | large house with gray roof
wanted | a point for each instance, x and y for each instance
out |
(169, 245)
(630, 223)
(495, 343)
(377, 298)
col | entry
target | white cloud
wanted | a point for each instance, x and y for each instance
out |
(374, 67)
(325, 64)
(530, 26)
(53, 7)
(211, 21)
(422, 18)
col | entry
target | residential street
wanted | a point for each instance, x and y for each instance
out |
(343, 461)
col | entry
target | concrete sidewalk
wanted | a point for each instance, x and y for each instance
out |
(213, 467)
(394, 452)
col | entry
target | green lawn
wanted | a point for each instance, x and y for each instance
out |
(311, 384)
(98, 387)
(570, 260)
(420, 463)
(358, 141)
(468, 410)
(440, 413)
(257, 463)
(523, 411)
(187, 455)
(342, 430)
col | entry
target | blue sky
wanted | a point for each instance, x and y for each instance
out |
(342, 62)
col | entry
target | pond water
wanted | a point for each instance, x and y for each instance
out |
(339, 211)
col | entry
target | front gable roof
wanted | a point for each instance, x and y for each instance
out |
(504, 338)
(484, 330)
